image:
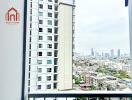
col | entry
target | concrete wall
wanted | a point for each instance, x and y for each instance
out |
(65, 47)
(11, 47)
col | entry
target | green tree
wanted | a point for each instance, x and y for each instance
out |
(77, 81)
(93, 87)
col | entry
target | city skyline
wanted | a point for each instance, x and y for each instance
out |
(111, 52)
(93, 51)
(101, 29)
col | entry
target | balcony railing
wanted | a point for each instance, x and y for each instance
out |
(80, 96)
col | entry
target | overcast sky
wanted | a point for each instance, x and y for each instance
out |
(102, 25)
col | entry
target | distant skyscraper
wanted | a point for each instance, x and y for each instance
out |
(92, 52)
(118, 53)
(112, 53)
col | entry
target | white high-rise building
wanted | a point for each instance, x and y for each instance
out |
(49, 45)
(112, 53)
(118, 53)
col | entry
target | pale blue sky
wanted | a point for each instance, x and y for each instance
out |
(101, 24)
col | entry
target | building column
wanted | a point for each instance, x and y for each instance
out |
(65, 45)
(130, 33)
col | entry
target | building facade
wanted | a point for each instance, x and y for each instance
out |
(49, 45)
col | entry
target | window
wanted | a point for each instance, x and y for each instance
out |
(55, 69)
(40, 37)
(29, 75)
(40, 13)
(39, 87)
(56, 38)
(49, 38)
(50, 7)
(40, 46)
(41, 6)
(49, 45)
(30, 18)
(49, 22)
(29, 60)
(28, 82)
(55, 53)
(29, 68)
(56, 23)
(73, 46)
(39, 70)
(48, 86)
(49, 53)
(31, 5)
(39, 78)
(49, 14)
(39, 53)
(56, 1)
(29, 53)
(48, 78)
(40, 29)
(30, 25)
(55, 86)
(55, 61)
(30, 32)
(56, 8)
(39, 61)
(56, 15)
(29, 46)
(49, 69)
(28, 89)
(49, 61)
(55, 30)
(55, 77)
(49, 30)
(40, 21)
(30, 11)
(56, 46)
